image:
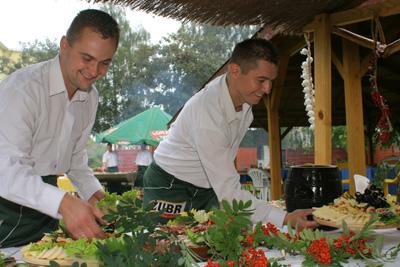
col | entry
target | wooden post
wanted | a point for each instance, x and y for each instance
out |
(274, 134)
(354, 112)
(274, 142)
(323, 90)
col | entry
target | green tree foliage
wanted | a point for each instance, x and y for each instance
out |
(302, 138)
(187, 59)
(120, 93)
(255, 137)
(31, 53)
(95, 153)
(339, 137)
(299, 138)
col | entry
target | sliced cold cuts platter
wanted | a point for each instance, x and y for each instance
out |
(356, 214)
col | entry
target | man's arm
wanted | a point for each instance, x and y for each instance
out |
(217, 161)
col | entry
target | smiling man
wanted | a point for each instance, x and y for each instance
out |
(47, 111)
(194, 165)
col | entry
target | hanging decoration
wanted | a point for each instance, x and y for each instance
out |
(308, 85)
(384, 127)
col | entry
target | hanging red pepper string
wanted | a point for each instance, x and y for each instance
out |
(384, 126)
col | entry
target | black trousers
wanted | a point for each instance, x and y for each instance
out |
(21, 225)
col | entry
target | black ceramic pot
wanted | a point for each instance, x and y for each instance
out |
(312, 186)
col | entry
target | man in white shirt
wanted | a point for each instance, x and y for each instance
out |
(194, 165)
(110, 164)
(110, 160)
(47, 111)
(143, 159)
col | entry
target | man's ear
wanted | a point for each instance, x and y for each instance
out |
(234, 69)
(63, 43)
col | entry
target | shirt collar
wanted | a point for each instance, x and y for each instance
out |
(228, 106)
(57, 85)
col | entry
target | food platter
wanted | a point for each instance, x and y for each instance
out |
(46, 262)
(357, 214)
(336, 224)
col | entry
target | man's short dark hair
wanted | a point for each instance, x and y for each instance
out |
(99, 21)
(248, 52)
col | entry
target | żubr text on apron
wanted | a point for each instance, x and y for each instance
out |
(168, 194)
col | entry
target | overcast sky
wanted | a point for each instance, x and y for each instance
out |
(30, 20)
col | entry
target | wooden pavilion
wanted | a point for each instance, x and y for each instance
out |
(343, 37)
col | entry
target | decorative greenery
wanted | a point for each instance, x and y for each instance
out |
(393, 139)
(382, 172)
(230, 237)
(139, 249)
(75, 264)
(1, 259)
(225, 237)
(128, 216)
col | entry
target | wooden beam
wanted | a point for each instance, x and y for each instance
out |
(354, 37)
(310, 27)
(354, 112)
(361, 13)
(365, 63)
(274, 142)
(288, 129)
(392, 48)
(337, 63)
(365, 12)
(272, 104)
(280, 80)
(323, 90)
(297, 47)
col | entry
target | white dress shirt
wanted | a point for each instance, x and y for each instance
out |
(42, 132)
(202, 144)
(144, 158)
(110, 159)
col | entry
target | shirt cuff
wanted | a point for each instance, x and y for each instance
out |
(268, 214)
(276, 216)
(50, 199)
(90, 187)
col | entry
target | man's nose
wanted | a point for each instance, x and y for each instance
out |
(94, 69)
(267, 86)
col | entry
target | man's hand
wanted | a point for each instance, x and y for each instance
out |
(299, 218)
(81, 218)
(97, 196)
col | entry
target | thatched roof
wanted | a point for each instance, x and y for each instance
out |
(288, 17)
(289, 14)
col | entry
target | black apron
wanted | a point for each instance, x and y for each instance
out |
(164, 192)
(21, 225)
(139, 175)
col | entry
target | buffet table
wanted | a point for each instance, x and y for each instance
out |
(391, 238)
(127, 177)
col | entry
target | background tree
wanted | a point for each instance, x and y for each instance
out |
(188, 58)
(121, 95)
(31, 53)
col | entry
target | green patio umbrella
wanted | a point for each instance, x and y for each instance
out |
(148, 127)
